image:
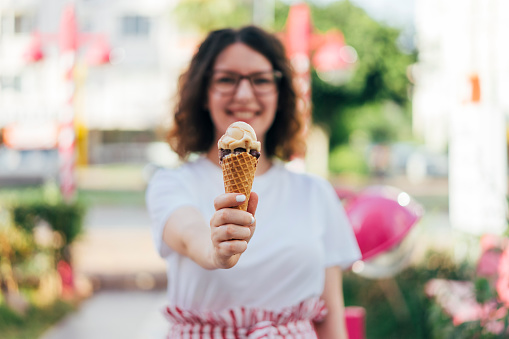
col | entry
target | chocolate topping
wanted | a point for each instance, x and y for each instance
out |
(224, 152)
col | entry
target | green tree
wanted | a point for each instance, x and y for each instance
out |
(206, 15)
(375, 99)
(380, 76)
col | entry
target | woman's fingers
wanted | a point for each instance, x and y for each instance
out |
(231, 216)
(253, 203)
(229, 200)
(232, 224)
(228, 249)
(231, 232)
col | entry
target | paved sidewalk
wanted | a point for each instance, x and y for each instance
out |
(119, 259)
(116, 259)
(115, 315)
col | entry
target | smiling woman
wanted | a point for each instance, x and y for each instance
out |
(243, 52)
(243, 101)
(226, 279)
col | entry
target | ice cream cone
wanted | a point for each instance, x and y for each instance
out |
(238, 174)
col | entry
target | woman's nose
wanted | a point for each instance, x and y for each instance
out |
(244, 89)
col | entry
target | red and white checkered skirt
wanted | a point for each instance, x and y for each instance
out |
(294, 322)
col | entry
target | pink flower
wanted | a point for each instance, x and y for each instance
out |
(503, 266)
(491, 317)
(487, 266)
(456, 298)
(495, 327)
(502, 284)
(491, 241)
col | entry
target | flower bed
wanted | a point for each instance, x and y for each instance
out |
(478, 307)
(36, 279)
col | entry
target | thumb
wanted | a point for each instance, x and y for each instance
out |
(253, 203)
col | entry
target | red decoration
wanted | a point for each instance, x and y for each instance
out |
(34, 52)
(68, 34)
(67, 278)
(69, 40)
(329, 53)
(98, 53)
(355, 318)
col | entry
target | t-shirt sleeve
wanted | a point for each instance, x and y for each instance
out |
(341, 248)
(166, 192)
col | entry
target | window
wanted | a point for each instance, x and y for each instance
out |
(10, 82)
(135, 26)
(17, 24)
(6, 24)
(87, 25)
(23, 24)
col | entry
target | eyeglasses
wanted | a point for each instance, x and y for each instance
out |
(262, 82)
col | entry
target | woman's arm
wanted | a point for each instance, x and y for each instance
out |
(333, 326)
(218, 245)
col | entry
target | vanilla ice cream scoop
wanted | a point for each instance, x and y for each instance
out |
(239, 135)
(238, 155)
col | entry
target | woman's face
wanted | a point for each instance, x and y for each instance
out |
(228, 103)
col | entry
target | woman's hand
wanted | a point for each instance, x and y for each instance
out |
(333, 326)
(231, 229)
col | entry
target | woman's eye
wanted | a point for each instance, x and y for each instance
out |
(226, 80)
(262, 80)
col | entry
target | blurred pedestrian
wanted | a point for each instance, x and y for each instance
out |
(224, 279)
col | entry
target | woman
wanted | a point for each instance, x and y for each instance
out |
(224, 279)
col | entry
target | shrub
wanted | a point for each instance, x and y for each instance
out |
(67, 219)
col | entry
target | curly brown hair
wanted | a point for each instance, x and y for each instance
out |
(193, 130)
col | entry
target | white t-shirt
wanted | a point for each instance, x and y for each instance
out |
(301, 229)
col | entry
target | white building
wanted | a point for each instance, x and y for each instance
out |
(461, 104)
(124, 100)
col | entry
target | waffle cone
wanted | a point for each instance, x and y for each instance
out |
(238, 175)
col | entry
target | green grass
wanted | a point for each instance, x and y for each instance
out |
(434, 203)
(113, 198)
(34, 323)
(89, 197)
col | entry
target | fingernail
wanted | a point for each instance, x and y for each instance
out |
(252, 220)
(240, 198)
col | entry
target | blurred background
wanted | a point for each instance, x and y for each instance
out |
(407, 101)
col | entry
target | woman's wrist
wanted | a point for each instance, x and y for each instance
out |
(201, 251)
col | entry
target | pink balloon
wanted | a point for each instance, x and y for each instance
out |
(381, 218)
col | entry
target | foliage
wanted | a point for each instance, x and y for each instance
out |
(67, 219)
(388, 317)
(14, 243)
(379, 78)
(381, 72)
(381, 120)
(483, 312)
(16, 248)
(36, 228)
(45, 204)
(36, 321)
(206, 15)
(344, 159)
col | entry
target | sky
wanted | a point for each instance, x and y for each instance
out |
(398, 13)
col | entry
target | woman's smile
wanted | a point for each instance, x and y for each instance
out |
(242, 115)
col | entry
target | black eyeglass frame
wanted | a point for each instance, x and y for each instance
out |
(277, 75)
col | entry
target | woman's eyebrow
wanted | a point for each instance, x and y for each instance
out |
(231, 71)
